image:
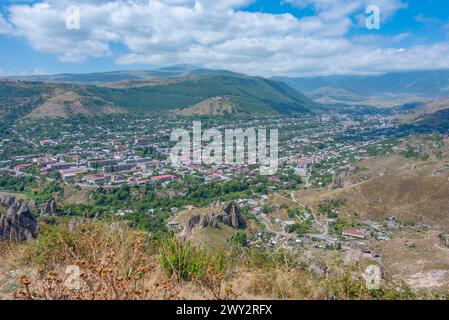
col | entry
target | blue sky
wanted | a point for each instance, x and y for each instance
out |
(265, 37)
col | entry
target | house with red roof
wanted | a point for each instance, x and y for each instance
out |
(163, 178)
(353, 233)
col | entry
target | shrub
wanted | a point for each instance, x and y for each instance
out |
(182, 259)
(239, 238)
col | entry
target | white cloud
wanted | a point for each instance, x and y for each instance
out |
(5, 26)
(36, 71)
(217, 34)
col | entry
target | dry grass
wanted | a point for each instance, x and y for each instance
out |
(392, 186)
(64, 104)
(118, 264)
(217, 106)
(114, 264)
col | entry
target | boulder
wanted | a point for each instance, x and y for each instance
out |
(18, 223)
(409, 244)
(190, 225)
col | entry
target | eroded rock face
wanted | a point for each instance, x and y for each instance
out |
(193, 222)
(49, 208)
(32, 204)
(232, 216)
(7, 199)
(18, 223)
(209, 221)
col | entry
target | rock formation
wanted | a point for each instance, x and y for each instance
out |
(32, 204)
(18, 223)
(7, 199)
(231, 217)
(49, 208)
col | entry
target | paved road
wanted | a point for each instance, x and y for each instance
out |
(324, 235)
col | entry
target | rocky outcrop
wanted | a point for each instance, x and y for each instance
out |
(440, 169)
(32, 205)
(18, 223)
(49, 208)
(7, 199)
(231, 217)
(209, 221)
(193, 222)
(343, 179)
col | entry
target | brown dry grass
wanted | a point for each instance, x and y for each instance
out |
(393, 186)
(114, 264)
(217, 106)
(118, 264)
(63, 104)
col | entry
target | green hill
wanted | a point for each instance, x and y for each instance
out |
(437, 121)
(176, 71)
(252, 96)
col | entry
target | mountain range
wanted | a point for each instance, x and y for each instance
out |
(176, 71)
(389, 89)
(178, 89)
(189, 90)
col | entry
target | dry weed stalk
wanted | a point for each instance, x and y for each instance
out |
(111, 268)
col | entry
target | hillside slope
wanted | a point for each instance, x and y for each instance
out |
(67, 103)
(175, 71)
(250, 95)
(409, 190)
(34, 100)
(216, 106)
(417, 111)
(389, 89)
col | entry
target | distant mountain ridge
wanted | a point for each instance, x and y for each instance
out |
(386, 90)
(397, 87)
(253, 96)
(177, 71)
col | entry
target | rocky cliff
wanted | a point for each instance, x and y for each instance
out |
(49, 208)
(229, 216)
(18, 223)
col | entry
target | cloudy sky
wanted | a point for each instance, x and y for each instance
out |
(258, 37)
